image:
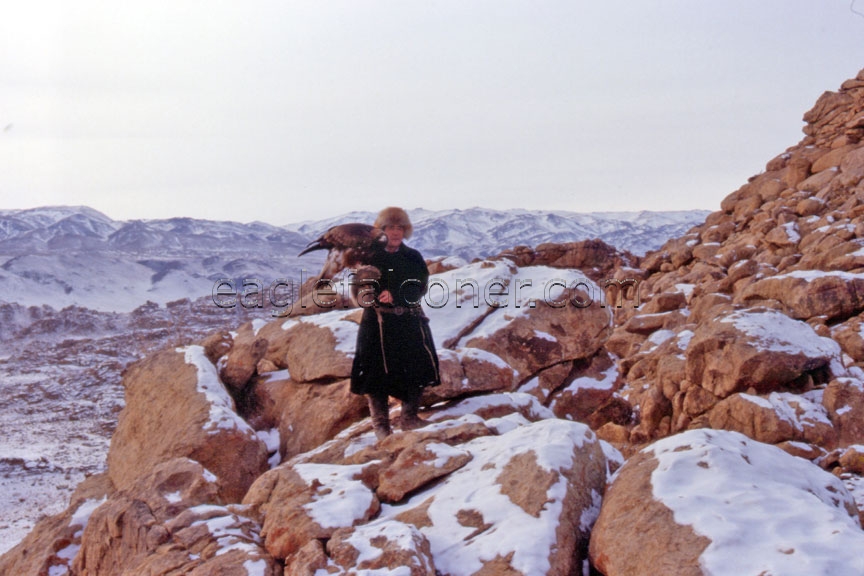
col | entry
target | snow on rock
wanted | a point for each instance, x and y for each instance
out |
(762, 349)
(777, 417)
(466, 371)
(717, 502)
(493, 405)
(316, 347)
(384, 548)
(809, 293)
(298, 502)
(517, 507)
(493, 482)
(177, 407)
(762, 509)
(223, 415)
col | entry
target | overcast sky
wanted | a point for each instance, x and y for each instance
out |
(284, 111)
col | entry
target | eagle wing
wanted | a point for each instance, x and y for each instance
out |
(348, 245)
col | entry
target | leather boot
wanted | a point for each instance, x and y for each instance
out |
(379, 409)
(409, 419)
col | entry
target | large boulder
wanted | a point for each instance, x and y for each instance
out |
(760, 349)
(523, 505)
(176, 406)
(716, 502)
(532, 339)
(809, 293)
(306, 415)
(313, 348)
(776, 418)
(469, 371)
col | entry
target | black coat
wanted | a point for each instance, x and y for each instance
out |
(395, 353)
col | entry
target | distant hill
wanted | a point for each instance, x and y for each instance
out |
(68, 255)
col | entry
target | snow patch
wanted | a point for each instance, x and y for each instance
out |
(340, 500)
(764, 511)
(222, 413)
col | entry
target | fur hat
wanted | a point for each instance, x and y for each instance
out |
(393, 216)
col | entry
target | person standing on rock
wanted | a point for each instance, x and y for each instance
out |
(395, 354)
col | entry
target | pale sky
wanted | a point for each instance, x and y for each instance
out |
(284, 111)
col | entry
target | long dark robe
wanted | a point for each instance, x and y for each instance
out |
(395, 353)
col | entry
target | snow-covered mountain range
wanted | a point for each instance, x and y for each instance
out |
(62, 256)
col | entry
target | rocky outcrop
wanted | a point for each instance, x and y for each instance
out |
(168, 522)
(177, 407)
(742, 334)
(463, 488)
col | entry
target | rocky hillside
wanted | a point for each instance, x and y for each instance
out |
(711, 424)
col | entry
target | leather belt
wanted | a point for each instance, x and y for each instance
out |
(400, 310)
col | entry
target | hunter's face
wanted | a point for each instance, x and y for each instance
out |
(394, 235)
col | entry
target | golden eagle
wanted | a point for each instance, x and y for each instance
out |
(350, 246)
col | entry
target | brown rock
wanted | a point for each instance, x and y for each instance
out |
(545, 336)
(451, 434)
(307, 415)
(591, 385)
(831, 159)
(308, 560)
(852, 168)
(312, 351)
(241, 362)
(809, 207)
(765, 350)
(636, 534)
(615, 434)
(844, 400)
(159, 524)
(549, 380)
(832, 295)
(176, 407)
(653, 407)
(416, 466)
(468, 371)
(784, 236)
(665, 302)
(698, 400)
(850, 337)
(296, 503)
(812, 185)
(646, 324)
(802, 450)
(382, 547)
(624, 343)
(616, 410)
(217, 345)
(772, 420)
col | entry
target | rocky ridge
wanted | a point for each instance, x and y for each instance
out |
(711, 427)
